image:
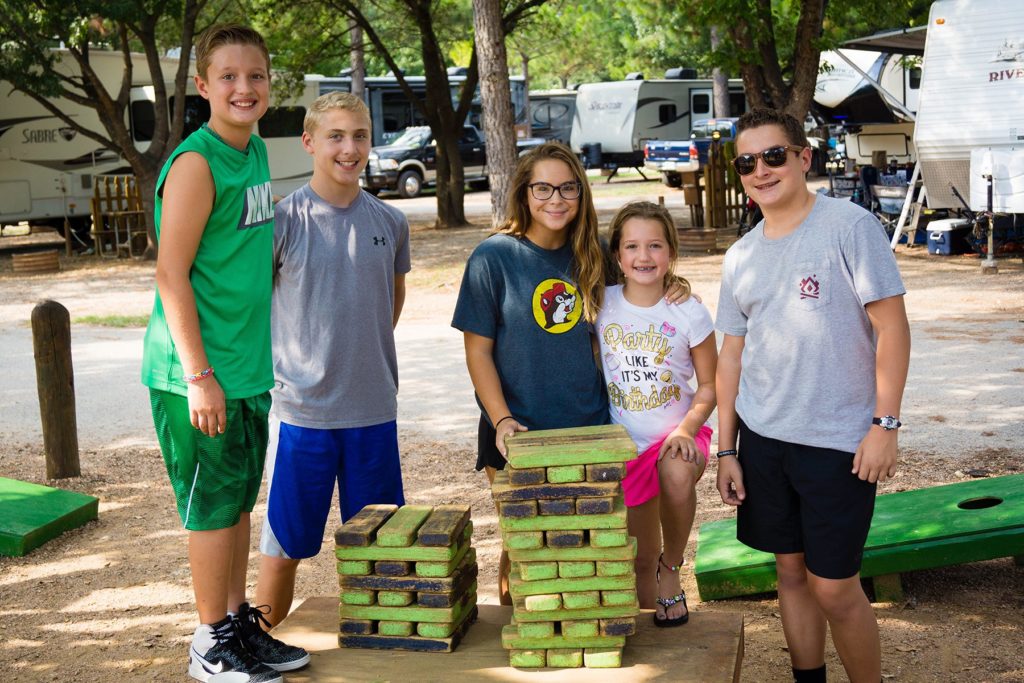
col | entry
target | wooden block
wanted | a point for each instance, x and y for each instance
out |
(569, 570)
(608, 471)
(536, 571)
(517, 509)
(574, 538)
(577, 446)
(557, 506)
(588, 552)
(400, 530)
(622, 626)
(536, 629)
(357, 626)
(446, 629)
(566, 474)
(888, 588)
(413, 643)
(595, 506)
(354, 567)
(580, 629)
(526, 477)
(361, 530)
(395, 599)
(565, 659)
(395, 628)
(412, 613)
(502, 491)
(451, 598)
(354, 597)
(445, 525)
(523, 540)
(31, 514)
(528, 659)
(602, 658)
(443, 569)
(392, 568)
(618, 598)
(510, 640)
(522, 614)
(609, 538)
(590, 583)
(614, 567)
(467, 565)
(543, 603)
(613, 520)
(582, 600)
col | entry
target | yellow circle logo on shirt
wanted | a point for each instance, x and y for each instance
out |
(556, 305)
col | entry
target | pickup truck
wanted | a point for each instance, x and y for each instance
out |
(672, 158)
(409, 163)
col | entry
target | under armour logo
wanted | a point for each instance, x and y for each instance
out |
(378, 241)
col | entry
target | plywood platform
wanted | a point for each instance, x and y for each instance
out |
(31, 515)
(707, 650)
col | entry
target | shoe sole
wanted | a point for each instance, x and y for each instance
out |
(290, 666)
(198, 672)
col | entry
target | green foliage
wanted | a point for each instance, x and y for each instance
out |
(121, 321)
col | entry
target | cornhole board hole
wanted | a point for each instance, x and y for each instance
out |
(653, 654)
(922, 529)
(31, 515)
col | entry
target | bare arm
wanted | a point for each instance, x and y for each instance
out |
(484, 374)
(727, 385)
(187, 203)
(680, 442)
(875, 459)
(399, 297)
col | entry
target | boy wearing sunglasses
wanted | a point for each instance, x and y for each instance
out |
(810, 379)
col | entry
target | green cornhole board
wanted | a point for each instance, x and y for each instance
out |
(31, 515)
(931, 527)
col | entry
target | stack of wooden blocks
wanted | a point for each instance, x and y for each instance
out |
(407, 577)
(563, 522)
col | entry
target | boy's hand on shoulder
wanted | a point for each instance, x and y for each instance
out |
(730, 481)
(677, 294)
(207, 406)
(875, 459)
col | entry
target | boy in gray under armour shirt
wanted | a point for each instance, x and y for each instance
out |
(809, 382)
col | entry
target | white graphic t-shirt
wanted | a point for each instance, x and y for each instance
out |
(645, 353)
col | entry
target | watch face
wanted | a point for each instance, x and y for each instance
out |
(888, 422)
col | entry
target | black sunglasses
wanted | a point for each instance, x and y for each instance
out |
(773, 157)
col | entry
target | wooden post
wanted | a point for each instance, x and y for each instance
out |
(55, 379)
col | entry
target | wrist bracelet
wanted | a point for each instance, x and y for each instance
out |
(199, 376)
(507, 417)
(722, 454)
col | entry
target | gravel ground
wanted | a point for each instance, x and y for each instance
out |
(112, 601)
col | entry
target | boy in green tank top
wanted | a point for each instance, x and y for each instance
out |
(207, 359)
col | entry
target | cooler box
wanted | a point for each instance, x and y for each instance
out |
(948, 236)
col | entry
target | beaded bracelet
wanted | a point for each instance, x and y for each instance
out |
(199, 376)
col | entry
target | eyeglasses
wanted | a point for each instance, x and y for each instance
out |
(772, 157)
(544, 191)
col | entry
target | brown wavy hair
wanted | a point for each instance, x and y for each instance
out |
(220, 35)
(588, 261)
(654, 212)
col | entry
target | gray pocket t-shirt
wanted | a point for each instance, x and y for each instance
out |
(335, 364)
(808, 364)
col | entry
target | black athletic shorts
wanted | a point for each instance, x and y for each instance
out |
(487, 454)
(803, 499)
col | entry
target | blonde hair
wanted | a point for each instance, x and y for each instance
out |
(653, 212)
(220, 35)
(587, 257)
(333, 100)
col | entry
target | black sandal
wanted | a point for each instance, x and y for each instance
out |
(674, 600)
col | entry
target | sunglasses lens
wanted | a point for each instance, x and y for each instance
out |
(744, 164)
(774, 156)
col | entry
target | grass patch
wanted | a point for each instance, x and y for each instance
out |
(113, 320)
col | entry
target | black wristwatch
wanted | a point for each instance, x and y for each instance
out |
(887, 422)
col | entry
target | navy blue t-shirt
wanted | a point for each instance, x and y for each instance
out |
(524, 298)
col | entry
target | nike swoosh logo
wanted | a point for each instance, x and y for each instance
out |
(209, 669)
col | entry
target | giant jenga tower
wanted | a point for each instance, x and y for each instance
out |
(563, 523)
(407, 577)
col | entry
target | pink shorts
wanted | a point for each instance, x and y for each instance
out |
(641, 482)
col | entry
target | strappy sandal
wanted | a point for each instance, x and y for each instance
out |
(674, 600)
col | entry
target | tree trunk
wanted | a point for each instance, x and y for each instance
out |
(806, 57)
(146, 178)
(357, 62)
(719, 81)
(499, 128)
(526, 88)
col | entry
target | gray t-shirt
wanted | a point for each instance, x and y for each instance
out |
(808, 364)
(335, 364)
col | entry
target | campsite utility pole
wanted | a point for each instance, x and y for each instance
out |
(55, 379)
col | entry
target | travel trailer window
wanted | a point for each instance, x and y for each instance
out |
(667, 113)
(737, 103)
(282, 122)
(143, 119)
(701, 104)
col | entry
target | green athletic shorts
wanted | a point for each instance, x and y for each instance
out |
(215, 479)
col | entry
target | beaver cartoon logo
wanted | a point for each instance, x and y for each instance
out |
(556, 306)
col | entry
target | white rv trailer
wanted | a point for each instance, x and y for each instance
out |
(620, 116)
(47, 168)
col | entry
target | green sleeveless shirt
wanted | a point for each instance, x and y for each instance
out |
(231, 275)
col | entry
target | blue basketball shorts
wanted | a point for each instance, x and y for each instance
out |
(302, 468)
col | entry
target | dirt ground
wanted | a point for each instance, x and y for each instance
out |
(112, 601)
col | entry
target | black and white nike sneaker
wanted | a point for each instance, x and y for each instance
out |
(217, 648)
(266, 648)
